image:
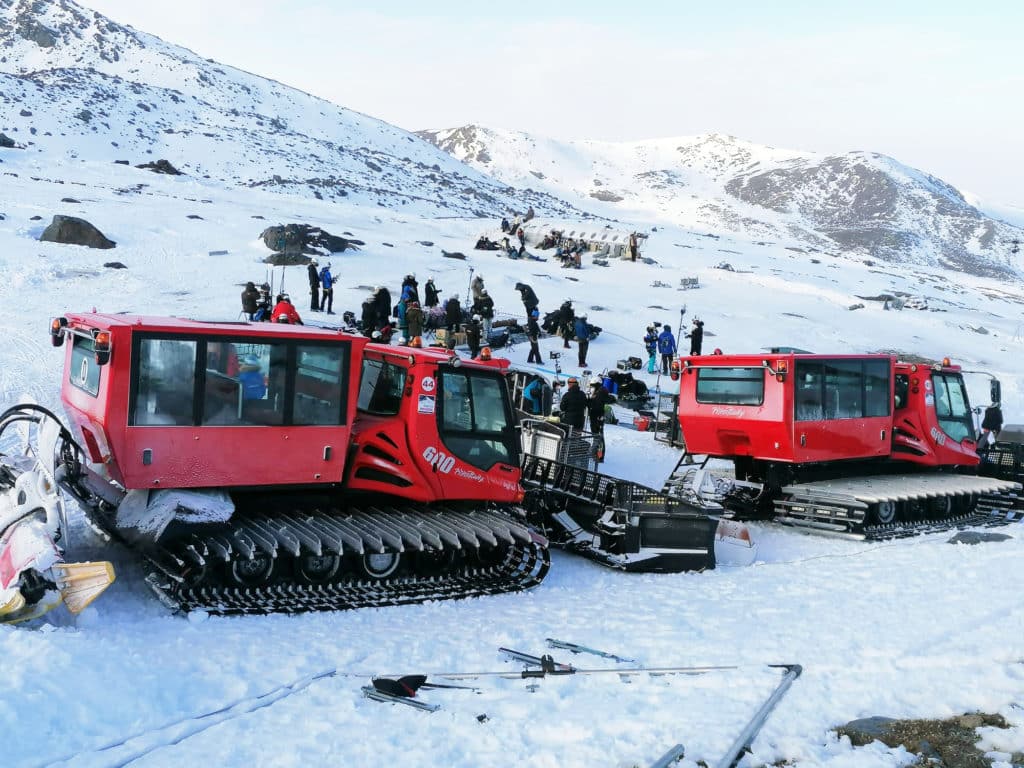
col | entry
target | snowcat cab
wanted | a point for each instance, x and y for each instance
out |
(272, 467)
(851, 424)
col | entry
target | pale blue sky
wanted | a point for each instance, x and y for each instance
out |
(937, 85)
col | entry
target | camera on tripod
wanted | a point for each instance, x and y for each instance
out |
(554, 355)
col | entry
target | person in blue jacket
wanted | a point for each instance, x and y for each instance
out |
(582, 330)
(667, 348)
(327, 288)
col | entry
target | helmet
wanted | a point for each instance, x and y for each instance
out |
(596, 381)
(430, 279)
(483, 291)
(476, 318)
(401, 339)
(314, 262)
(285, 297)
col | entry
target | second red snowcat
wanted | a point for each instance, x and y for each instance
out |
(842, 443)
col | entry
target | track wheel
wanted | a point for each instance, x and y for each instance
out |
(318, 569)
(252, 571)
(433, 563)
(382, 565)
(940, 507)
(884, 512)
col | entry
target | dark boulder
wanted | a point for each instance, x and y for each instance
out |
(69, 200)
(303, 239)
(161, 166)
(6, 141)
(75, 231)
(115, 265)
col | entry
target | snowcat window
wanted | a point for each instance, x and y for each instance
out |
(841, 389)
(733, 386)
(164, 382)
(808, 392)
(475, 417)
(952, 407)
(381, 387)
(320, 385)
(83, 372)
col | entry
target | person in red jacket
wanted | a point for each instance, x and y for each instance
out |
(284, 311)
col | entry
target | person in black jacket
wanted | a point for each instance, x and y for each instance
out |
(368, 320)
(599, 398)
(533, 334)
(430, 293)
(473, 330)
(484, 307)
(566, 321)
(573, 405)
(696, 336)
(452, 314)
(250, 299)
(529, 297)
(314, 286)
(382, 300)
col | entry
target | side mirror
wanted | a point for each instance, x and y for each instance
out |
(995, 391)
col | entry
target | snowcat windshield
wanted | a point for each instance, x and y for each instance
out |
(952, 407)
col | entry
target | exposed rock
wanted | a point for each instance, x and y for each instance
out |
(121, 162)
(389, 245)
(84, 115)
(427, 243)
(6, 142)
(114, 265)
(36, 218)
(454, 255)
(949, 743)
(193, 216)
(25, 113)
(161, 166)
(607, 197)
(287, 259)
(69, 200)
(75, 231)
(977, 537)
(855, 306)
(303, 239)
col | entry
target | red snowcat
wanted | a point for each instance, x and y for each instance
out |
(842, 443)
(267, 467)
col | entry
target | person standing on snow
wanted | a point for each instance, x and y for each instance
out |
(314, 286)
(696, 336)
(250, 299)
(477, 286)
(651, 345)
(667, 348)
(430, 293)
(453, 313)
(573, 405)
(484, 306)
(533, 334)
(327, 282)
(414, 320)
(582, 330)
(473, 336)
(529, 298)
(410, 282)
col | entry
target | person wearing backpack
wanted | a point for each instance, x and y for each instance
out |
(667, 348)
(327, 284)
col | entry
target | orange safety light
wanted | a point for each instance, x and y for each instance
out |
(674, 370)
(781, 367)
(57, 326)
(946, 362)
(101, 345)
(485, 353)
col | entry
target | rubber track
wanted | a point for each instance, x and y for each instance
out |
(526, 561)
(525, 567)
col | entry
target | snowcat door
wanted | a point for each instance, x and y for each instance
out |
(479, 453)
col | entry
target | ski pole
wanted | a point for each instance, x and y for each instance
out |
(746, 737)
(673, 755)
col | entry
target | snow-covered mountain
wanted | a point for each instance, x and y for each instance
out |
(858, 202)
(75, 84)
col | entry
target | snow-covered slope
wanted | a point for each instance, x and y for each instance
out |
(77, 85)
(911, 628)
(858, 202)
